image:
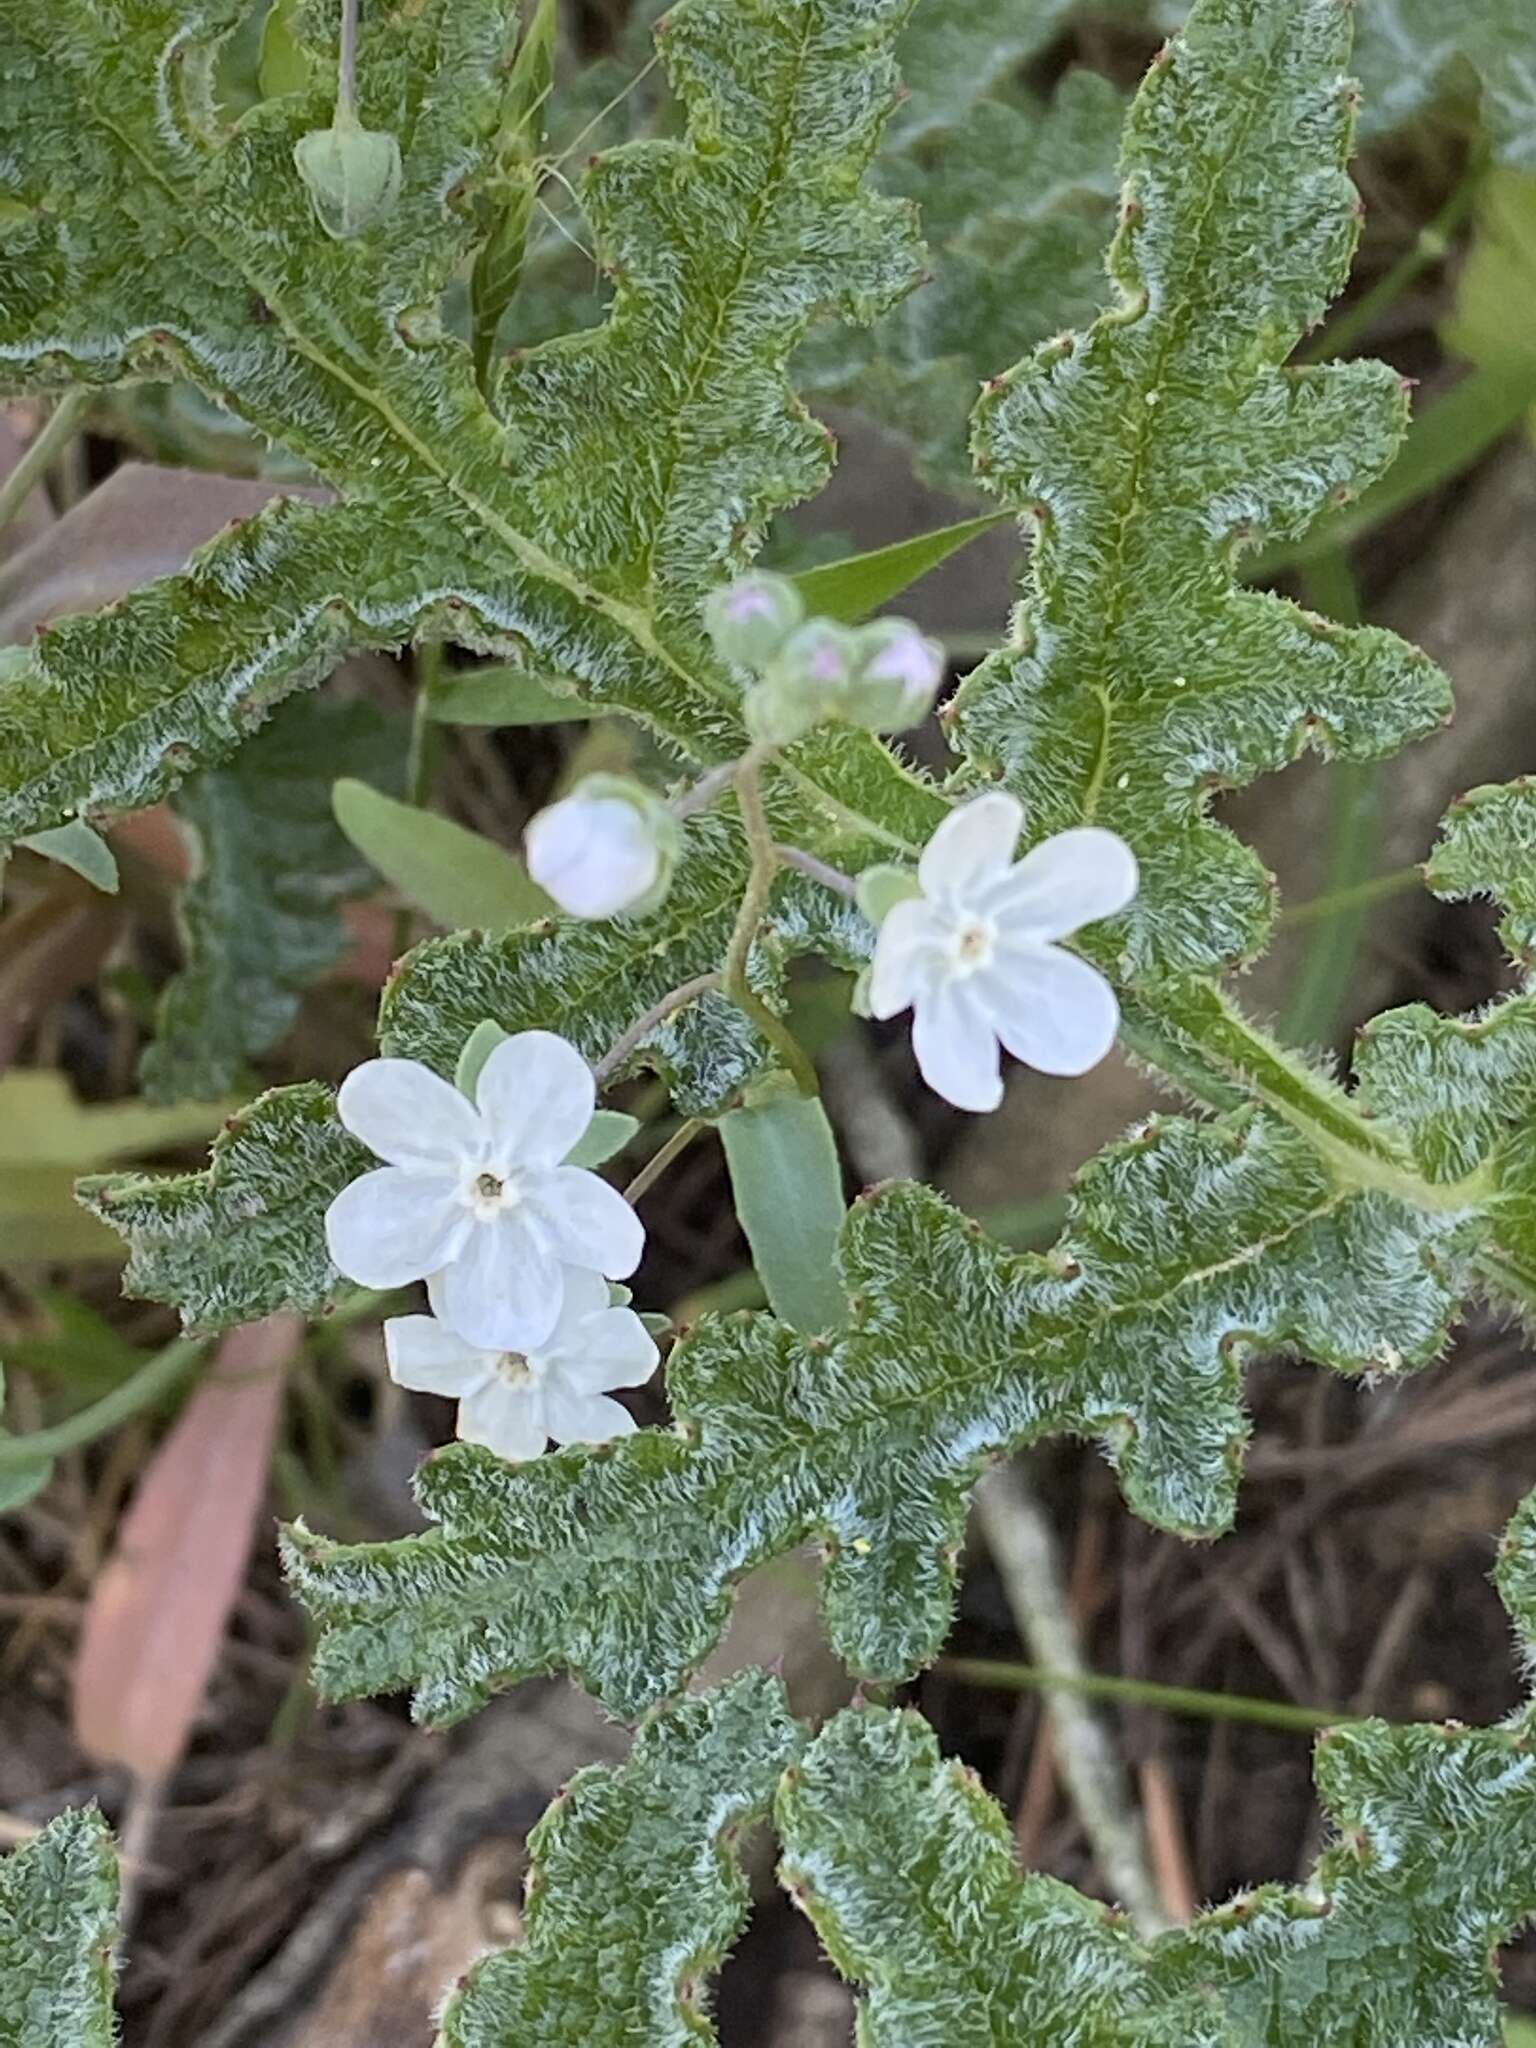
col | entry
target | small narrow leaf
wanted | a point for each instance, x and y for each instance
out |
(788, 1185)
(58, 1924)
(507, 696)
(456, 876)
(636, 1891)
(76, 846)
(20, 1483)
(853, 588)
(478, 1047)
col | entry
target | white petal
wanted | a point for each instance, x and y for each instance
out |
(956, 1048)
(585, 1296)
(589, 1223)
(504, 1290)
(973, 846)
(508, 1420)
(389, 1227)
(408, 1115)
(907, 933)
(585, 1418)
(596, 856)
(536, 1095)
(1058, 1014)
(1067, 882)
(427, 1357)
(613, 1349)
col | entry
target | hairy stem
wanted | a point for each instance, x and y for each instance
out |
(717, 782)
(1023, 1548)
(819, 871)
(658, 1013)
(754, 905)
(346, 69)
(662, 1158)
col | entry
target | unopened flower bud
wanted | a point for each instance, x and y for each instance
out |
(609, 846)
(353, 174)
(750, 620)
(898, 678)
(806, 682)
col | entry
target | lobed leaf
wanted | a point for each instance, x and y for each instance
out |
(577, 525)
(1150, 452)
(245, 1237)
(1186, 1248)
(58, 1922)
(636, 1891)
(260, 919)
(905, 1865)
(1017, 200)
(1409, 50)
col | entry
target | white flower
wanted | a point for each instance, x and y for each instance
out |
(474, 1198)
(975, 954)
(603, 849)
(512, 1401)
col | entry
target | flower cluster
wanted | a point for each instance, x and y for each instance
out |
(516, 1246)
(882, 676)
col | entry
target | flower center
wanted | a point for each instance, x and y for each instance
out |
(488, 1194)
(973, 943)
(515, 1370)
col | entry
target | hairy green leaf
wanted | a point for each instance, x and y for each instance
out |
(1186, 1249)
(1152, 450)
(245, 1237)
(636, 1892)
(1017, 201)
(58, 1921)
(260, 919)
(580, 520)
(906, 1867)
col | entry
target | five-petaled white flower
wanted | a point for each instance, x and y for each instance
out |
(975, 955)
(474, 1198)
(512, 1401)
